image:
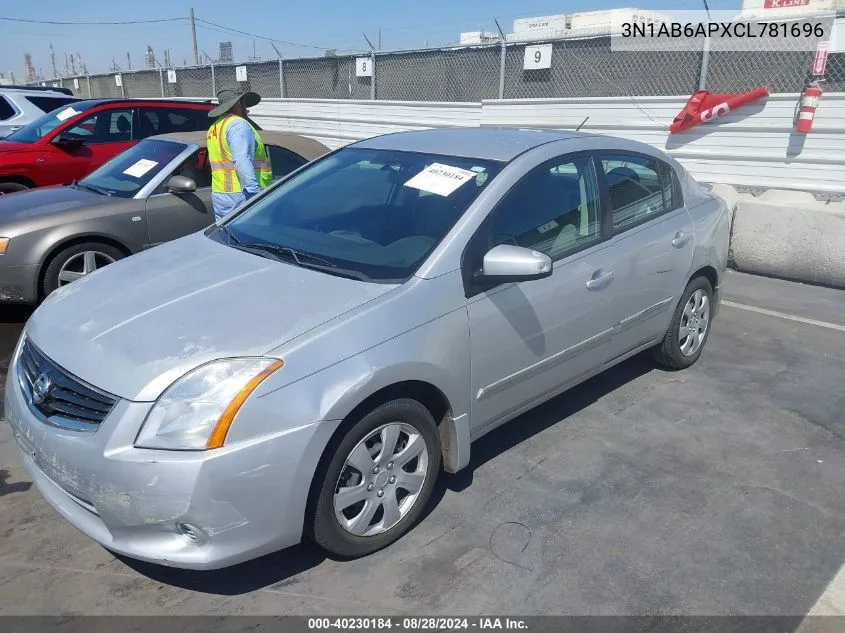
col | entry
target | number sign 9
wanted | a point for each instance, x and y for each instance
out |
(537, 57)
(363, 67)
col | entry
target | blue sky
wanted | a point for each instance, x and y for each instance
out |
(319, 25)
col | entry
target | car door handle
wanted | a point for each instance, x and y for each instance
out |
(681, 239)
(599, 280)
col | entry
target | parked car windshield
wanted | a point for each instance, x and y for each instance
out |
(373, 213)
(39, 128)
(125, 174)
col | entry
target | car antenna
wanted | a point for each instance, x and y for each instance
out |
(582, 123)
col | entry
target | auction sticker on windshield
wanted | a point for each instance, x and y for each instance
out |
(140, 168)
(65, 114)
(440, 179)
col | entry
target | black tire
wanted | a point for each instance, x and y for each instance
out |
(50, 280)
(323, 527)
(668, 353)
(11, 187)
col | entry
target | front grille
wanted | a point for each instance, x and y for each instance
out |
(60, 398)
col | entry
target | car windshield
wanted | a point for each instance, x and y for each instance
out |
(369, 214)
(125, 174)
(43, 125)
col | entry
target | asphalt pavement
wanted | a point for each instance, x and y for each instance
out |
(716, 490)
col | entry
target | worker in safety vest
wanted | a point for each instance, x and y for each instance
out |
(240, 165)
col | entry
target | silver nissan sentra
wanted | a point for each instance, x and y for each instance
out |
(311, 363)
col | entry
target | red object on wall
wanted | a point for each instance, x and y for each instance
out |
(807, 109)
(704, 106)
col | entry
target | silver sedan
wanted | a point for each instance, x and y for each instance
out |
(310, 365)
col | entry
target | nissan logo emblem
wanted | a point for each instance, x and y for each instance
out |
(41, 388)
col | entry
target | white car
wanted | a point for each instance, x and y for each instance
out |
(21, 104)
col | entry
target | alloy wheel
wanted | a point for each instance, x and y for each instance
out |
(82, 264)
(381, 480)
(694, 323)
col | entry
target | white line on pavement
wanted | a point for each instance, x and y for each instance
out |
(784, 315)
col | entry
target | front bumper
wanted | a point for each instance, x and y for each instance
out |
(239, 502)
(18, 284)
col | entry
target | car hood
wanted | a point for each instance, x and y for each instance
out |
(47, 201)
(134, 327)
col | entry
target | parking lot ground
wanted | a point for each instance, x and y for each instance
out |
(716, 490)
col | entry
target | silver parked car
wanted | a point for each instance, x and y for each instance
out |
(20, 105)
(310, 364)
(153, 192)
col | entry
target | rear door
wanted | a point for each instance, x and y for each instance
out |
(653, 240)
(169, 215)
(103, 135)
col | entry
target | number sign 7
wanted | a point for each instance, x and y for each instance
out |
(537, 57)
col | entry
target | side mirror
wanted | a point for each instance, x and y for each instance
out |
(68, 140)
(506, 263)
(181, 184)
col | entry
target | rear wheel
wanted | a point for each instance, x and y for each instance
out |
(378, 480)
(76, 261)
(690, 327)
(11, 187)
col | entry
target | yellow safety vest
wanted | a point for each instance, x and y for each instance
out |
(224, 179)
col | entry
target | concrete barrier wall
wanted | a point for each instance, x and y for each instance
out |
(754, 146)
(787, 234)
(339, 122)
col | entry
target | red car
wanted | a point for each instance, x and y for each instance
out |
(70, 142)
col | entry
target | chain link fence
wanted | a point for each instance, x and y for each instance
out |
(579, 67)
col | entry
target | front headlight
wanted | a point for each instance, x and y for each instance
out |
(196, 411)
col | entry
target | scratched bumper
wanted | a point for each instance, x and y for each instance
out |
(130, 500)
(18, 284)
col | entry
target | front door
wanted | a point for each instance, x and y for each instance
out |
(169, 215)
(653, 239)
(532, 338)
(103, 135)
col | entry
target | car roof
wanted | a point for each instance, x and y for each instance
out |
(51, 91)
(91, 103)
(499, 144)
(306, 147)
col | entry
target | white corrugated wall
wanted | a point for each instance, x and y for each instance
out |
(754, 146)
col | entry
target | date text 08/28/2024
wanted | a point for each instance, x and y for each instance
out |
(415, 624)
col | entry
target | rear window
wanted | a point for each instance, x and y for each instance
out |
(48, 104)
(6, 109)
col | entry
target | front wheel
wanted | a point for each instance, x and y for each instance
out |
(378, 480)
(690, 327)
(75, 262)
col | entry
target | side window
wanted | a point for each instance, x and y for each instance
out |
(197, 168)
(6, 109)
(554, 209)
(640, 188)
(111, 126)
(283, 161)
(187, 120)
(166, 120)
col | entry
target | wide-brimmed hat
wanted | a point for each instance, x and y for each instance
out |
(228, 98)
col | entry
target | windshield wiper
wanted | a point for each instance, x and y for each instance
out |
(99, 190)
(301, 258)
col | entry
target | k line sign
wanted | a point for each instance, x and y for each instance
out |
(784, 4)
